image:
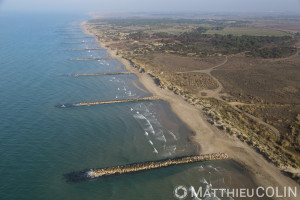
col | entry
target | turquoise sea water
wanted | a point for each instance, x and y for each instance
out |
(39, 143)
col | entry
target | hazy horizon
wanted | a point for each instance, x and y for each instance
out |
(151, 6)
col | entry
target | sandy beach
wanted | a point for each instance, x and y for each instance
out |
(211, 139)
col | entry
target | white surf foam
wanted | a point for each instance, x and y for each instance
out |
(150, 127)
(172, 134)
(162, 138)
(147, 126)
(201, 169)
(204, 181)
(171, 149)
(150, 142)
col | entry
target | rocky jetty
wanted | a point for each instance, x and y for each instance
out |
(99, 74)
(69, 105)
(117, 101)
(95, 173)
(85, 49)
(79, 42)
(81, 59)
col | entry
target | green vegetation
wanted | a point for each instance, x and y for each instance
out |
(236, 31)
(256, 45)
(138, 35)
(199, 37)
(275, 52)
(203, 44)
(167, 21)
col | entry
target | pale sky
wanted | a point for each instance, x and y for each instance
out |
(151, 5)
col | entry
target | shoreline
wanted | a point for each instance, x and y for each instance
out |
(209, 138)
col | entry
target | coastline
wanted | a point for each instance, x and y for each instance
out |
(209, 138)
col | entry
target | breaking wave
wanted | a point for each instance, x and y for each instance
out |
(163, 139)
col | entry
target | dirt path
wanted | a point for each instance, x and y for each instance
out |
(205, 93)
(207, 71)
(286, 58)
(216, 93)
(260, 121)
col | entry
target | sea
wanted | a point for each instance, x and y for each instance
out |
(40, 143)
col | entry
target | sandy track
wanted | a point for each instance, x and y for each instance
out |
(216, 93)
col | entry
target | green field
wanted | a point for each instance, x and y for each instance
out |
(248, 31)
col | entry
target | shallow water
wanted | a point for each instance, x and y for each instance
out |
(39, 143)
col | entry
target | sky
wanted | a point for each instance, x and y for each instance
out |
(151, 5)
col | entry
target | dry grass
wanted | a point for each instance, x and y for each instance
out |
(248, 31)
(256, 80)
(177, 63)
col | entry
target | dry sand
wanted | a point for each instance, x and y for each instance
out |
(210, 138)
